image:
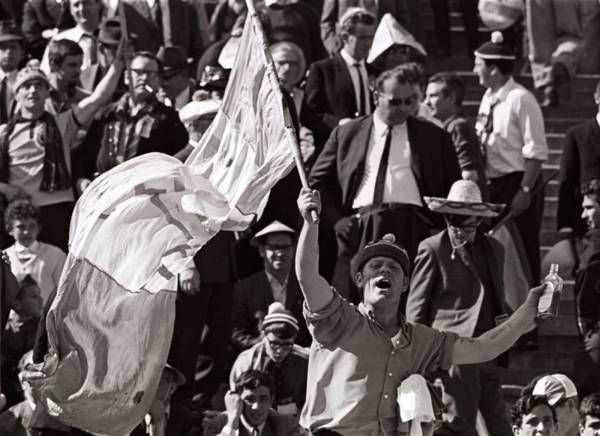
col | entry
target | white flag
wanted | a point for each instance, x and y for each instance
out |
(134, 229)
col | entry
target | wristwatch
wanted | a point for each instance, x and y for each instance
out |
(525, 189)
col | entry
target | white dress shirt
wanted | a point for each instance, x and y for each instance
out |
(364, 93)
(400, 183)
(518, 129)
(81, 37)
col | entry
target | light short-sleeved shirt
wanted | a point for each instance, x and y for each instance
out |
(27, 154)
(355, 369)
(518, 129)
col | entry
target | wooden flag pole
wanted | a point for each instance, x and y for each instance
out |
(272, 76)
(125, 35)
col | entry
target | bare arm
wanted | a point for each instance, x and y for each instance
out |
(87, 108)
(315, 288)
(494, 342)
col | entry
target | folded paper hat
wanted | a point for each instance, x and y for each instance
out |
(274, 227)
(278, 313)
(388, 33)
(464, 198)
(555, 387)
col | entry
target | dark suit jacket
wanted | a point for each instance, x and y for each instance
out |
(329, 97)
(182, 26)
(443, 291)
(276, 425)
(251, 300)
(39, 15)
(580, 163)
(339, 169)
(334, 9)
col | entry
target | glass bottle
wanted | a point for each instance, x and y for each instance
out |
(548, 303)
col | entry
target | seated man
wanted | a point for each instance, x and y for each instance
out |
(248, 410)
(360, 355)
(277, 282)
(277, 355)
(589, 415)
(532, 416)
(561, 394)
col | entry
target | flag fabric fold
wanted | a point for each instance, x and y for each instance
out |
(133, 230)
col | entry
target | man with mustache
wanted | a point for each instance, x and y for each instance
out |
(360, 355)
(457, 286)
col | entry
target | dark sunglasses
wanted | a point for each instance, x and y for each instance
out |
(392, 101)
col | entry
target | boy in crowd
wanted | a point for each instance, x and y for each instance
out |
(28, 256)
(533, 416)
(277, 355)
(589, 415)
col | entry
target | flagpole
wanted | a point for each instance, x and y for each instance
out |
(125, 35)
(509, 215)
(291, 131)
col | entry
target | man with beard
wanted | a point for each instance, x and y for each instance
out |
(279, 356)
(457, 286)
(362, 354)
(136, 124)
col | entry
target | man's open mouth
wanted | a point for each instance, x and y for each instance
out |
(383, 284)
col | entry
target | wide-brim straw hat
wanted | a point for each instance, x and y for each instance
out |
(464, 198)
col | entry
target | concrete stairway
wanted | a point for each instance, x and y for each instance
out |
(558, 341)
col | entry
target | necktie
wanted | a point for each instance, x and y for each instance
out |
(254, 431)
(4, 100)
(488, 128)
(90, 53)
(362, 104)
(381, 172)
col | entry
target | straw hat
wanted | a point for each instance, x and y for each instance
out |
(464, 198)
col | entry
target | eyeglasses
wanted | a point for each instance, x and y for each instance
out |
(277, 345)
(141, 72)
(278, 247)
(393, 101)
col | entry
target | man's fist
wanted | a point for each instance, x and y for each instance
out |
(189, 281)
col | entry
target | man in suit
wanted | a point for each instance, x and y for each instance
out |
(176, 84)
(369, 191)
(457, 286)
(276, 282)
(12, 52)
(406, 12)
(248, 410)
(337, 88)
(580, 163)
(40, 16)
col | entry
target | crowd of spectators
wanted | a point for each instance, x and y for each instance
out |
(390, 150)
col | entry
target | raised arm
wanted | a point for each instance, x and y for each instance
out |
(494, 342)
(315, 288)
(87, 108)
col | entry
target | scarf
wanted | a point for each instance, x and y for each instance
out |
(55, 175)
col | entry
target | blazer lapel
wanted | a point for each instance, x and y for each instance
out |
(495, 273)
(264, 290)
(292, 293)
(344, 80)
(415, 152)
(358, 154)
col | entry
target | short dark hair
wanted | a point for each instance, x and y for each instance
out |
(411, 73)
(148, 55)
(592, 189)
(453, 85)
(505, 66)
(590, 406)
(26, 283)
(252, 379)
(21, 210)
(525, 404)
(59, 49)
(351, 18)
(282, 330)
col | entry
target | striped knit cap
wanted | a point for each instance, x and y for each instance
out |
(278, 313)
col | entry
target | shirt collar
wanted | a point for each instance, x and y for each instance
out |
(504, 89)
(75, 33)
(380, 128)
(350, 61)
(271, 278)
(249, 428)
(10, 75)
(33, 248)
